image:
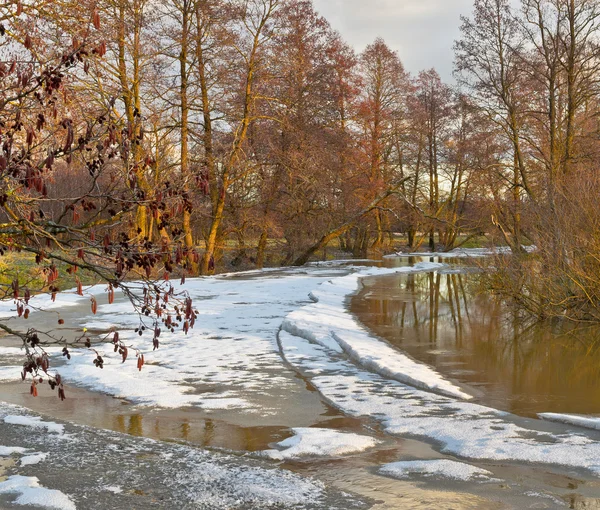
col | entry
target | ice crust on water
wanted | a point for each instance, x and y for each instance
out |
(464, 429)
(318, 442)
(30, 492)
(438, 468)
(35, 422)
(327, 322)
(465, 252)
(587, 422)
(120, 471)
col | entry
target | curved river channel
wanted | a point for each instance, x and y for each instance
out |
(412, 362)
(444, 320)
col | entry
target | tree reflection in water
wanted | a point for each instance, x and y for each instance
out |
(447, 320)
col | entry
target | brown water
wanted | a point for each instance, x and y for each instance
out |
(446, 321)
(392, 303)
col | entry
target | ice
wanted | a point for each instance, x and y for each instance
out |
(32, 493)
(320, 442)
(438, 468)
(35, 458)
(10, 373)
(44, 302)
(538, 495)
(34, 422)
(229, 360)
(327, 322)
(112, 488)
(588, 422)
(5, 451)
(465, 252)
(463, 429)
(106, 469)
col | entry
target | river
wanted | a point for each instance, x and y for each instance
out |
(226, 387)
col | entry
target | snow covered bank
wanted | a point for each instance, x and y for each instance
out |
(327, 322)
(439, 468)
(587, 422)
(230, 360)
(463, 429)
(464, 252)
(320, 442)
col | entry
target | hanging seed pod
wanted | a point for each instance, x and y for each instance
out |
(140, 362)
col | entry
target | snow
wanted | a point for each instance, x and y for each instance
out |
(32, 493)
(229, 361)
(112, 488)
(320, 442)
(463, 429)
(588, 422)
(35, 458)
(538, 495)
(35, 422)
(439, 468)
(465, 252)
(327, 322)
(43, 302)
(115, 470)
(10, 373)
(5, 451)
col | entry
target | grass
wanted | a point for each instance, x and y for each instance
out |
(31, 275)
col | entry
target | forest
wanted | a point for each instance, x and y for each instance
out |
(143, 138)
(263, 268)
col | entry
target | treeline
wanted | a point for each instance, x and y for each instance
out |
(273, 131)
(251, 127)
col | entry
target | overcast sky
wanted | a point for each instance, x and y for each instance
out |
(421, 31)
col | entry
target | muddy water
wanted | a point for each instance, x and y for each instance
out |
(444, 320)
(247, 433)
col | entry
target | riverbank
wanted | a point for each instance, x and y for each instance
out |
(226, 386)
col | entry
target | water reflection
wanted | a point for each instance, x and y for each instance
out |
(446, 321)
(190, 425)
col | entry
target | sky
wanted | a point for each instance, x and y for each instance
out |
(421, 31)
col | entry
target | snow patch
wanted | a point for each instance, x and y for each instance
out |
(463, 429)
(5, 451)
(328, 323)
(32, 493)
(112, 488)
(465, 252)
(439, 468)
(587, 422)
(320, 442)
(10, 373)
(35, 422)
(34, 458)
(229, 360)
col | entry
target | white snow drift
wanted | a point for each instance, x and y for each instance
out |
(438, 468)
(320, 442)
